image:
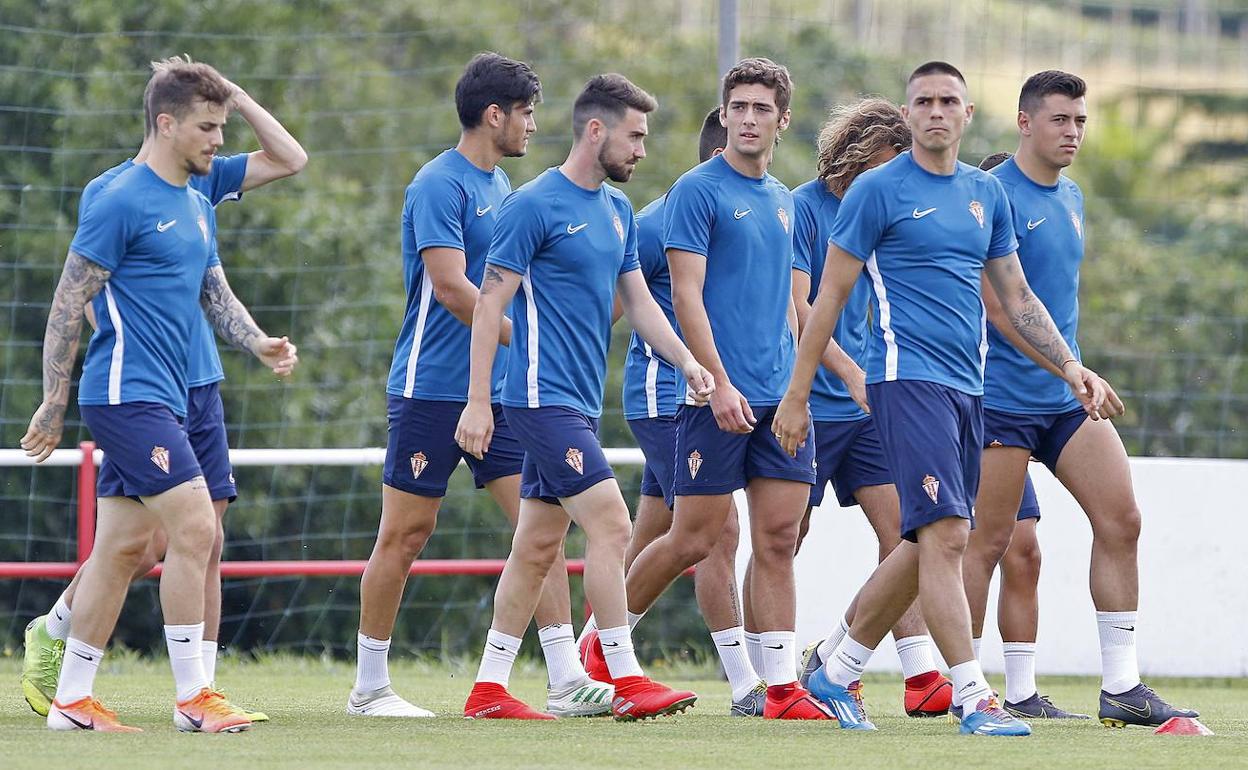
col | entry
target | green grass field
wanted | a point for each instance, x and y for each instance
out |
(306, 697)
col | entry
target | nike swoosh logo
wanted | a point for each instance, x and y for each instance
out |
(738, 213)
(920, 214)
(183, 641)
(481, 211)
(574, 230)
(1144, 713)
(774, 646)
(1033, 225)
(196, 723)
(731, 644)
(58, 615)
(610, 644)
(498, 647)
(163, 226)
(82, 725)
(1125, 628)
(87, 658)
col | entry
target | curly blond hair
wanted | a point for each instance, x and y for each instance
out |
(856, 133)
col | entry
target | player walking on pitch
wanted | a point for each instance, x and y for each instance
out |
(568, 242)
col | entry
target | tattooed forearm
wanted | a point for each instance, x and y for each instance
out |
(1031, 319)
(80, 281)
(227, 315)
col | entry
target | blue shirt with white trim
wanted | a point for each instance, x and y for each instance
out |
(452, 204)
(925, 239)
(1049, 224)
(814, 212)
(156, 240)
(223, 183)
(570, 245)
(652, 386)
(743, 226)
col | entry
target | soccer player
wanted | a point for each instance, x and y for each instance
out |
(728, 231)
(449, 213)
(857, 137)
(280, 156)
(146, 252)
(1027, 413)
(569, 243)
(926, 227)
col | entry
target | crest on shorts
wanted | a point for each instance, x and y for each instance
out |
(1074, 220)
(576, 459)
(695, 463)
(784, 218)
(619, 227)
(977, 210)
(160, 456)
(931, 486)
(203, 227)
(995, 443)
(419, 463)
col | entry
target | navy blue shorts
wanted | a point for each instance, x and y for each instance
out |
(849, 455)
(715, 462)
(656, 436)
(933, 438)
(1030, 507)
(562, 454)
(1044, 434)
(146, 449)
(421, 453)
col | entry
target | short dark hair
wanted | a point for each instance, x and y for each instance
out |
(176, 83)
(935, 68)
(492, 78)
(994, 160)
(608, 97)
(714, 136)
(1043, 84)
(762, 71)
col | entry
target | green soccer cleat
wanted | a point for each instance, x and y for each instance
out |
(42, 667)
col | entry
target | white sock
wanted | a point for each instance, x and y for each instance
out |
(916, 655)
(185, 644)
(1120, 669)
(1020, 670)
(208, 655)
(730, 644)
(563, 663)
(754, 648)
(848, 662)
(78, 669)
(58, 619)
(591, 624)
(779, 657)
(634, 618)
(496, 661)
(969, 685)
(372, 666)
(827, 648)
(976, 642)
(617, 648)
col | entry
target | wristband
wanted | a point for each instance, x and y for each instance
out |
(1067, 361)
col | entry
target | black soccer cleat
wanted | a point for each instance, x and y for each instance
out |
(1040, 707)
(1138, 706)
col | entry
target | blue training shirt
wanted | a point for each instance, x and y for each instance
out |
(814, 212)
(744, 228)
(1049, 224)
(652, 386)
(570, 245)
(223, 183)
(156, 239)
(450, 203)
(925, 239)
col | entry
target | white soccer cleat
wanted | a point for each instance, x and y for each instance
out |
(586, 698)
(383, 702)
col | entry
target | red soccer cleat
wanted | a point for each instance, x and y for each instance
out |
(792, 701)
(593, 659)
(636, 697)
(928, 695)
(489, 700)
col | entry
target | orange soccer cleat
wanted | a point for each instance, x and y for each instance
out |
(86, 714)
(928, 695)
(209, 712)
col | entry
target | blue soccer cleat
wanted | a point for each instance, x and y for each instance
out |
(1138, 706)
(989, 718)
(845, 702)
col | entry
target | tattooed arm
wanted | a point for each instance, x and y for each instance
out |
(80, 281)
(230, 319)
(1031, 320)
(476, 422)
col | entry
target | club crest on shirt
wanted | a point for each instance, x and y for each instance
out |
(695, 463)
(576, 459)
(619, 227)
(784, 218)
(203, 226)
(419, 463)
(977, 210)
(931, 486)
(160, 456)
(1074, 220)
